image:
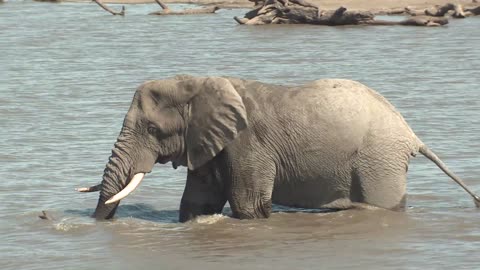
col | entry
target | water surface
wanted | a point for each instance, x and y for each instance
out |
(67, 75)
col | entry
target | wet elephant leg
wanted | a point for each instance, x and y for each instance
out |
(250, 204)
(250, 195)
(381, 181)
(203, 195)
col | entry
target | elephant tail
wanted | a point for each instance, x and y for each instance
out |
(424, 150)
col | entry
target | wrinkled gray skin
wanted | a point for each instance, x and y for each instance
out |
(328, 144)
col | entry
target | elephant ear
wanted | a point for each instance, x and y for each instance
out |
(216, 116)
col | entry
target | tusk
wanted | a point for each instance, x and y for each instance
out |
(137, 178)
(90, 189)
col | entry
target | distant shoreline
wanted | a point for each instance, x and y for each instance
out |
(219, 3)
(365, 5)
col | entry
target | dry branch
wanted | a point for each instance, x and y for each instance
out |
(414, 21)
(453, 10)
(440, 11)
(414, 12)
(458, 12)
(473, 10)
(207, 10)
(302, 12)
(163, 6)
(121, 13)
(393, 11)
(167, 11)
(278, 12)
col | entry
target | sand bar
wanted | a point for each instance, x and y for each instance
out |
(371, 5)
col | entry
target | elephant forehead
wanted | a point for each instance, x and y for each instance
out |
(152, 104)
(168, 92)
(152, 96)
(161, 115)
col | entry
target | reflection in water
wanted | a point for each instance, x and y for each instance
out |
(67, 77)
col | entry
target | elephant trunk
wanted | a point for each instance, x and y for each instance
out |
(116, 174)
(125, 169)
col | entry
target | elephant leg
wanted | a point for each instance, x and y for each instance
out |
(251, 193)
(388, 192)
(381, 182)
(256, 204)
(203, 195)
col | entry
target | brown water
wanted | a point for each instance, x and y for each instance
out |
(67, 75)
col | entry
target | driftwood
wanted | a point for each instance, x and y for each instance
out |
(414, 12)
(165, 9)
(440, 11)
(474, 11)
(414, 21)
(393, 11)
(121, 13)
(276, 12)
(282, 12)
(453, 10)
(163, 6)
(193, 11)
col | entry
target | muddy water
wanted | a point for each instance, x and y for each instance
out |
(67, 75)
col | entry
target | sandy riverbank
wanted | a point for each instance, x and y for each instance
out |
(372, 5)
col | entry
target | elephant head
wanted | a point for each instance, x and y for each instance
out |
(185, 120)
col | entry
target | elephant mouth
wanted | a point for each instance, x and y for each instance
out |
(174, 158)
(164, 160)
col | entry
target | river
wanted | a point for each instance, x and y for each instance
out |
(67, 75)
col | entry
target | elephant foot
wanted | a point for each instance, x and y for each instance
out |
(260, 209)
(189, 210)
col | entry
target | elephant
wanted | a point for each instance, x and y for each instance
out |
(330, 143)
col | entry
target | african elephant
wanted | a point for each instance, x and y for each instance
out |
(327, 144)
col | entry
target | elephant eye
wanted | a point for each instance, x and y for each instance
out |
(152, 130)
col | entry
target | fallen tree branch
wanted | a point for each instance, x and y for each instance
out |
(453, 10)
(414, 21)
(121, 13)
(278, 12)
(473, 11)
(303, 3)
(440, 11)
(167, 11)
(207, 10)
(414, 12)
(163, 6)
(393, 11)
(458, 12)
